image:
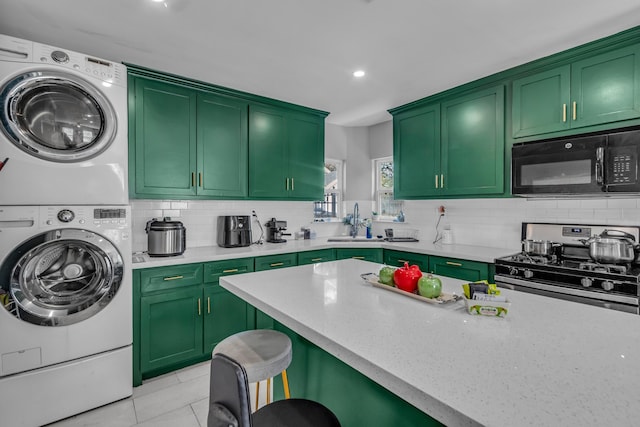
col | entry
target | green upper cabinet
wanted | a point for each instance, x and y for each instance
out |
(416, 152)
(472, 147)
(194, 140)
(606, 88)
(286, 154)
(222, 146)
(540, 102)
(453, 148)
(165, 138)
(188, 143)
(600, 89)
(268, 152)
(306, 156)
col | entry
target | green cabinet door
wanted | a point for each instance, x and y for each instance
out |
(165, 138)
(224, 315)
(286, 154)
(366, 254)
(171, 328)
(600, 89)
(306, 156)
(459, 269)
(472, 156)
(606, 88)
(222, 146)
(416, 152)
(541, 103)
(268, 154)
(398, 258)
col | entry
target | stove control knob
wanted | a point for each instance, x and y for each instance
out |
(528, 274)
(607, 285)
(586, 282)
(513, 271)
(66, 215)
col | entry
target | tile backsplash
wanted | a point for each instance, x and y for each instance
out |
(484, 222)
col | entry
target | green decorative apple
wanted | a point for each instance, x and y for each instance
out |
(386, 275)
(429, 286)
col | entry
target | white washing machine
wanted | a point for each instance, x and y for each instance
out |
(63, 127)
(65, 310)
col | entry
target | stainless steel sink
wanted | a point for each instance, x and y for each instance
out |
(354, 240)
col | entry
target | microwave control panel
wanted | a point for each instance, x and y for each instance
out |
(622, 166)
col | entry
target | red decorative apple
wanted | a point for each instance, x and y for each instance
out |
(406, 277)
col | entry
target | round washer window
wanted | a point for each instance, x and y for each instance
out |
(64, 277)
(56, 116)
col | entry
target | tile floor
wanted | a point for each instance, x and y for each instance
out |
(177, 399)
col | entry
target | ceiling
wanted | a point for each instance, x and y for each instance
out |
(305, 51)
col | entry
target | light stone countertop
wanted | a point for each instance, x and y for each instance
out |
(216, 253)
(548, 363)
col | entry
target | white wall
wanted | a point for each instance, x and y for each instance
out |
(381, 140)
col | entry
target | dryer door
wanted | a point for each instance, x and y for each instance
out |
(56, 116)
(63, 277)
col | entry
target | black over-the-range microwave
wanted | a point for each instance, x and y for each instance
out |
(592, 165)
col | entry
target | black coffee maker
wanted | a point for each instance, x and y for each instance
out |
(275, 230)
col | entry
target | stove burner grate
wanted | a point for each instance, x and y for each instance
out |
(605, 268)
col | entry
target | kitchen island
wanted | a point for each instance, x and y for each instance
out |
(549, 362)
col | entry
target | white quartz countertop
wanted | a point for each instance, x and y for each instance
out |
(216, 253)
(548, 363)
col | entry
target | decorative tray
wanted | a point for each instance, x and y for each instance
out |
(442, 299)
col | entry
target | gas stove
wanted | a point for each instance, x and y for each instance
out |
(568, 272)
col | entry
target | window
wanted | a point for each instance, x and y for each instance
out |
(329, 209)
(387, 208)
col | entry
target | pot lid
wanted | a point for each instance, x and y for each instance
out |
(164, 224)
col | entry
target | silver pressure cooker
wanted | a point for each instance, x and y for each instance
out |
(166, 237)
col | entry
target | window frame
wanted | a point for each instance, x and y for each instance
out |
(338, 191)
(378, 190)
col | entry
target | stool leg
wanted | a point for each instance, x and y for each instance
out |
(268, 390)
(257, 394)
(285, 384)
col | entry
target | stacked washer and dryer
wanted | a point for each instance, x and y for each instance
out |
(65, 234)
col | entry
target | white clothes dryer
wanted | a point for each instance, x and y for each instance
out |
(63, 126)
(65, 310)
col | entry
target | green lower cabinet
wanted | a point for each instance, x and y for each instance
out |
(459, 268)
(171, 328)
(320, 255)
(181, 313)
(354, 398)
(366, 254)
(271, 262)
(225, 315)
(398, 258)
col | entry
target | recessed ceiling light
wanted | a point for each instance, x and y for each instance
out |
(359, 73)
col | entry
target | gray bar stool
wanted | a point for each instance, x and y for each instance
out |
(263, 353)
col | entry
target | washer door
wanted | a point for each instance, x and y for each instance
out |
(63, 277)
(56, 116)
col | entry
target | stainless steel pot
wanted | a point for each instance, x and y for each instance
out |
(166, 237)
(612, 247)
(538, 247)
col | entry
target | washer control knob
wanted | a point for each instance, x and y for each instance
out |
(66, 215)
(586, 282)
(59, 56)
(607, 285)
(528, 274)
